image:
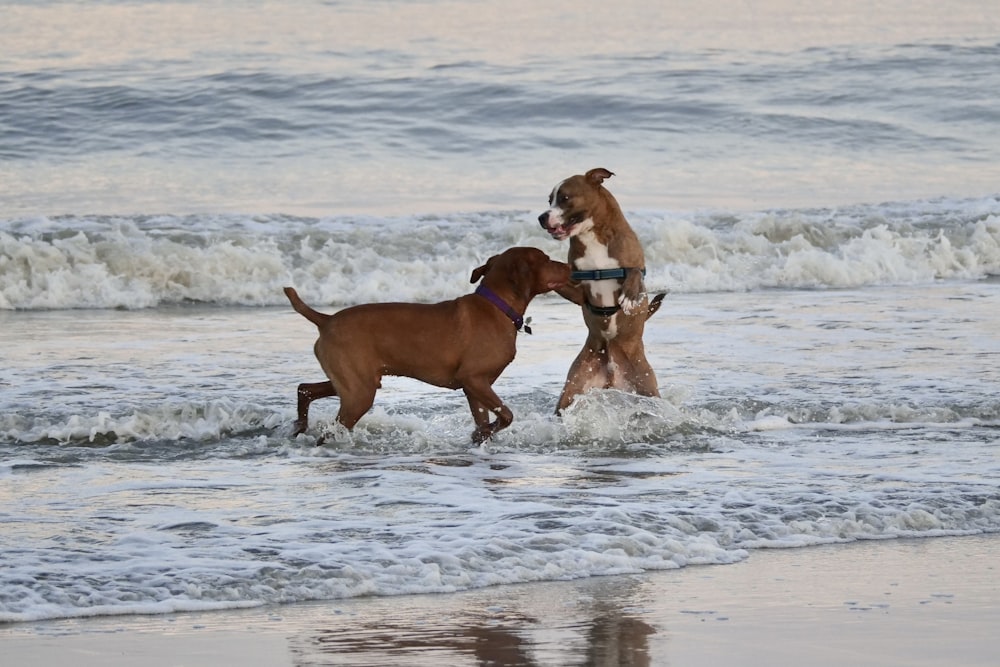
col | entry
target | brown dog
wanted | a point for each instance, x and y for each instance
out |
(460, 344)
(608, 268)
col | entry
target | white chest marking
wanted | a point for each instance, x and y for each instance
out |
(595, 256)
(601, 293)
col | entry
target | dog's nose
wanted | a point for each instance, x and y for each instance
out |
(543, 219)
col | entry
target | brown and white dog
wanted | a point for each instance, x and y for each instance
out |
(607, 281)
(462, 344)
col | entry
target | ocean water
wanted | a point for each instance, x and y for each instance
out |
(815, 187)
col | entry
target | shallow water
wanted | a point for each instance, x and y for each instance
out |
(148, 466)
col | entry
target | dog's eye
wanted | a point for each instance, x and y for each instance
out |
(562, 199)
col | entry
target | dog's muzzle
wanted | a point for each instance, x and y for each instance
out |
(553, 222)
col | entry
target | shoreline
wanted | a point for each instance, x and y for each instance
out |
(909, 601)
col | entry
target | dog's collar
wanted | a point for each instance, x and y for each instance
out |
(608, 311)
(602, 311)
(504, 307)
(602, 274)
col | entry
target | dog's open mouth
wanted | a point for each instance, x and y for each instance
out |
(564, 230)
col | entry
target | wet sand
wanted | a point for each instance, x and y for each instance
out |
(914, 602)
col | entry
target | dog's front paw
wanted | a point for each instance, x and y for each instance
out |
(632, 294)
(629, 305)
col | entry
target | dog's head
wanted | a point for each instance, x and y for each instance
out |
(573, 202)
(525, 271)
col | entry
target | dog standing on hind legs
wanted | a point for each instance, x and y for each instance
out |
(607, 282)
(462, 344)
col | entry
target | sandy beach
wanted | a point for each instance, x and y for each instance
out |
(912, 602)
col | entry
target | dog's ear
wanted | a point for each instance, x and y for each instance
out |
(598, 175)
(480, 271)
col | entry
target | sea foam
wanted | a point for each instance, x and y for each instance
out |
(143, 261)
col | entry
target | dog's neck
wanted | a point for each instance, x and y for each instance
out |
(504, 307)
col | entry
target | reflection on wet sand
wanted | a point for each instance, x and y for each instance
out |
(606, 635)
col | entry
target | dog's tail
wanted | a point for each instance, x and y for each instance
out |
(654, 304)
(302, 309)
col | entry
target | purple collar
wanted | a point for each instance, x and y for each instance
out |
(504, 307)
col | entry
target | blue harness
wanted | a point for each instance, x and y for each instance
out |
(602, 274)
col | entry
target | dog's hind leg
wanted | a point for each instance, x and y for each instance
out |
(588, 371)
(309, 392)
(633, 372)
(355, 403)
